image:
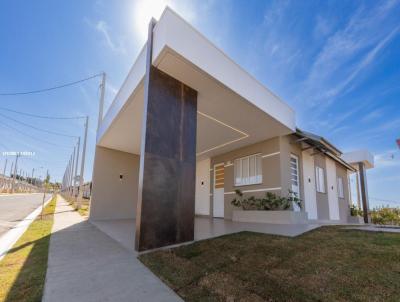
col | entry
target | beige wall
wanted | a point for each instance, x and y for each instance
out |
(322, 198)
(277, 174)
(271, 171)
(112, 197)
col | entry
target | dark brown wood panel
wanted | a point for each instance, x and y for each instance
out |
(166, 213)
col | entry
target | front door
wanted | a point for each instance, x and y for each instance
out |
(218, 194)
(295, 179)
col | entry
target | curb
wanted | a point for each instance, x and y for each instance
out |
(8, 240)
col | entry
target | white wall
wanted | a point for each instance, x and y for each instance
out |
(202, 200)
(174, 32)
(332, 189)
(310, 197)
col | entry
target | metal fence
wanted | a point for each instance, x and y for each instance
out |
(20, 186)
(87, 190)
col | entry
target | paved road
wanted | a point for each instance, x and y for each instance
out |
(14, 208)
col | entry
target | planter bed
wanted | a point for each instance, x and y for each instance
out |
(278, 217)
(356, 219)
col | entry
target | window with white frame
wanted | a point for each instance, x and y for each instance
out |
(340, 187)
(248, 170)
(320, 179)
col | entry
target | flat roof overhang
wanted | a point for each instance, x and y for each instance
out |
(359, 156)
(234, 109)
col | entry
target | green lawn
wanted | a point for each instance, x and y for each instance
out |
(23, 269)
(327, 264)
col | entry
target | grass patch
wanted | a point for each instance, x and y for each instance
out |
(327, 264)
(23, 269)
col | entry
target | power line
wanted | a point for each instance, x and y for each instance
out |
(50, 88)
(44, 116)
(33, 137)
(384, 200)
(38, 129)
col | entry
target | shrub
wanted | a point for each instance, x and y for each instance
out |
(386, 216)
(355, 211)
(270, 202)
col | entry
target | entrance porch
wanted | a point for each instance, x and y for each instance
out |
(123, 230)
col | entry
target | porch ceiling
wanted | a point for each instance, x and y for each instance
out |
(230, 114)
(225, 121)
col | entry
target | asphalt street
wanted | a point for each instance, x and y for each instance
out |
(14, 208)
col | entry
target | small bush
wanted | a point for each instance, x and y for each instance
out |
(271, 202)
(355, 211)
(386, 216)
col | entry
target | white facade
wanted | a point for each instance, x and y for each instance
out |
(202, 200)
(332, 189)
(310, 198)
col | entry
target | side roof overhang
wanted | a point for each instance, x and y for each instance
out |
(323, 146)
(234, 109)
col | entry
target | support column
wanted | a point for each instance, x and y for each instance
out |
(364, 191)
(358, 190)
(166, 192)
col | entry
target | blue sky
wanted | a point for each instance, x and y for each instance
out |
(337, 63)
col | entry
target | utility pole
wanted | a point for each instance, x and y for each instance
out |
(5, 166)
(44, 192)
(83, 157)
(15, 171)
(33, 171)
(75, 192)
(12, 167)
(101, 103)
(69, 176)
(63, 181)
(73, 172)
(65, 178)
(70, 173)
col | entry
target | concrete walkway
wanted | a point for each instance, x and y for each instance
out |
(123, 230)
(87, 265)
(377, 228)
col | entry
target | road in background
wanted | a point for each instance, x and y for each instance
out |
(14, 208)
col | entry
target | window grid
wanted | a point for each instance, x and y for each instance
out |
(340, 187)
(248, 170)
(294, 171)
(320, 179)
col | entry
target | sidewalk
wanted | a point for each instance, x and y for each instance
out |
(87, 265)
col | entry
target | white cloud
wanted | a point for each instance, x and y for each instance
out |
(103, 28)
(393, 124)
(337, 66)
(388, 158)
(322, 27)
(377, 113)
(367, 59)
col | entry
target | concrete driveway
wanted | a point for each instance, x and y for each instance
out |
(14, 208)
